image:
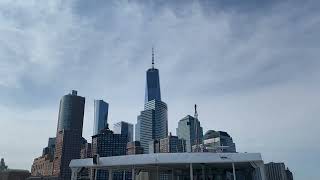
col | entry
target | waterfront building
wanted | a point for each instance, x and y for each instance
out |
(50, 148)
(42, 166)
(195, 166)
(14, 174)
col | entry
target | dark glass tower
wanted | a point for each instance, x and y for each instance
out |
(71, 112)
(152, 123)
(69, 134)
(152, 83)
(107, 144)
(100, 116)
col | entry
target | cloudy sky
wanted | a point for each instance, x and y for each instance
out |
(251, 66)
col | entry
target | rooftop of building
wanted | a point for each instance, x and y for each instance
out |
(214, 134)
(168, 158)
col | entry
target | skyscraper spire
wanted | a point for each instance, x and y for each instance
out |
(195, 111)
(152, 57)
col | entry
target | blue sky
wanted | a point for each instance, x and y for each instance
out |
(251, 66)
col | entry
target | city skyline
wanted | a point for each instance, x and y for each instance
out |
(241, 63)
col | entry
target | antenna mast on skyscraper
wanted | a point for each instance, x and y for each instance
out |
(195, 111)
(196, 128)
(152, 57)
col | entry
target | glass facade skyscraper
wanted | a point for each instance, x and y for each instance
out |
(152, 85)
(124, 128)
(69, 134)
(152, 123)
(100, 116)
(106, 144)
(275, 171)
(71, 112)
(218, 141)
(189, 129)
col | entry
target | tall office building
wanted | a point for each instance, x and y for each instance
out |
(275, 171)
(189, 129)
(106, 144)
(219, 142)
(152, 123)
(69, 134)
(124, 128)
(152, 83)
(101, 109)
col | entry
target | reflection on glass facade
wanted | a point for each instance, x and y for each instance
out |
(124, 128)
(106, 144)
(152, 85)
(219, 141)
(69, 134)
(190, 130)
(100, 116)
(71, 112)
(152, 123)
(144, 129)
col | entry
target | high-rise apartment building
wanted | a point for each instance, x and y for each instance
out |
(152, 123)
(190, 130)
(275, 171)
(124, 128)
(101, 109)
(69, 134)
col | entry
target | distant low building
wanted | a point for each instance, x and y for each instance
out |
(170, 144)
(275, 171)
(3, 165)
(218, 142)
(42, 166)
(134, 147)
(14, 174)
(86, 151)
